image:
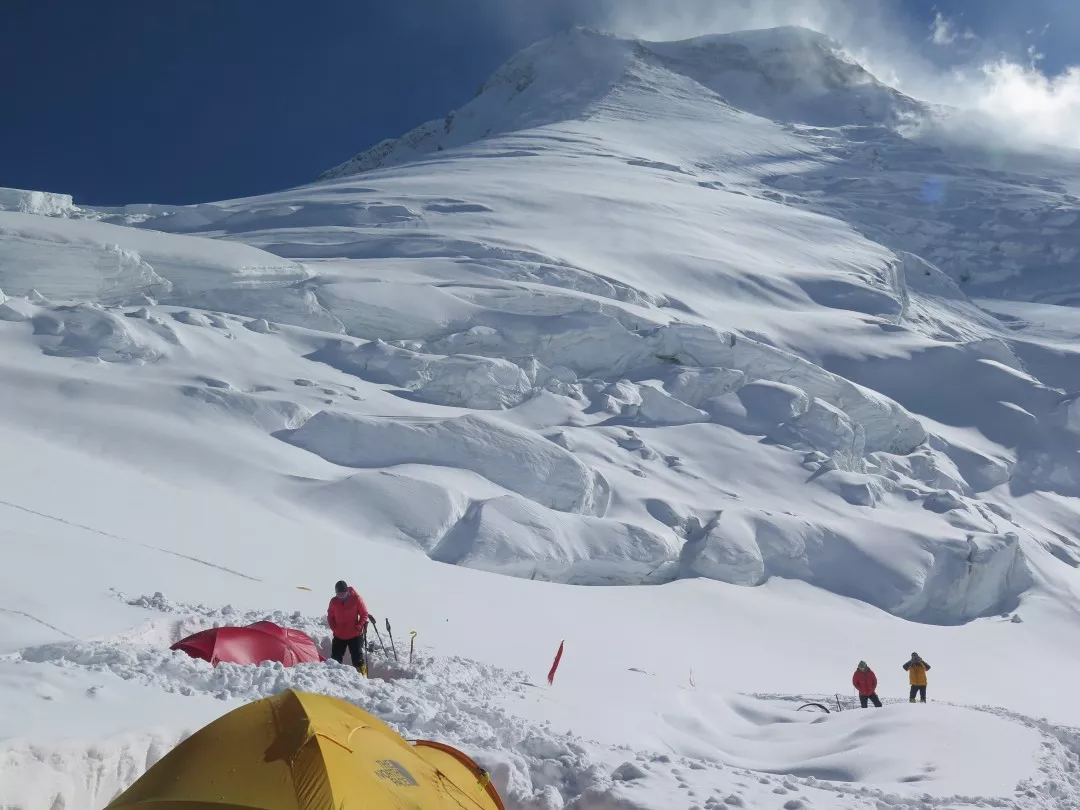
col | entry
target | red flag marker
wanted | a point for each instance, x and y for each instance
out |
(555, 666)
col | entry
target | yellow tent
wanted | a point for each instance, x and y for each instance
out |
(297, 751)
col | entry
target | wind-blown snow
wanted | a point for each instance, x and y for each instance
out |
(701, 320)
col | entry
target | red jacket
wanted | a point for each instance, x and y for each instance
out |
(347, 618)
(865, 682)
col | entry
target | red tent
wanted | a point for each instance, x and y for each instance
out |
(262, 641)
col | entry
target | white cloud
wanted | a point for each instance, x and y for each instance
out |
(941, 30)
(1007, 100)
(1020, 105)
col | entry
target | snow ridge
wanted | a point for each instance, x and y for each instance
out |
(790, 74)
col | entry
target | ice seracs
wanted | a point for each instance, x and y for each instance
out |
(563, 267)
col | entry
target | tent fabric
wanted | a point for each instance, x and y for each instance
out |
(442, 757)
(299, 751)
(253, 644)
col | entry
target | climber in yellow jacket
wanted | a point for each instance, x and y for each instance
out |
(916, 670)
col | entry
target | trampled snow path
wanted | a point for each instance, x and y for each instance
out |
(762, 754)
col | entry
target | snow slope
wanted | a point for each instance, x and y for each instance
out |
(715, 321)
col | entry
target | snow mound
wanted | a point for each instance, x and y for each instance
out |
(385, 503)
(514, 536)
(260, 326)
(469, 382)
(89, 330)
(726, 551)
(372, 310)
(887, 425)
(272, 303)
(657, 408)
(761, 406)
(825, 428)
(167, 218)
(697, 386)
(585, 342)
(516, 459)
(462, 381)
(764, 738)
(268, 413)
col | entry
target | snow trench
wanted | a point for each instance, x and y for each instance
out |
(75, 775)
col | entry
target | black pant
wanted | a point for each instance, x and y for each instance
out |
(920, 691)
(339, 645)
(864, 699)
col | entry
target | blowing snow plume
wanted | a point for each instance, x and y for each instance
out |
(991, 80)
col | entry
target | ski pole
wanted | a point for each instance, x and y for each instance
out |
(378, 635)
(412, 644)
(391, 634)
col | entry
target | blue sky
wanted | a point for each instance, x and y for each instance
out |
(130, 101)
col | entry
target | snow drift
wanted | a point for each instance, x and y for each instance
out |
(516, 459)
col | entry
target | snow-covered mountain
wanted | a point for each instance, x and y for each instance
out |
(787, 74)
(710, 317)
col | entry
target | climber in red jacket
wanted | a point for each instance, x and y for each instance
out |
(865, 681)
(348, 618)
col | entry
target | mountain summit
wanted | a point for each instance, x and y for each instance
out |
(788, 75)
